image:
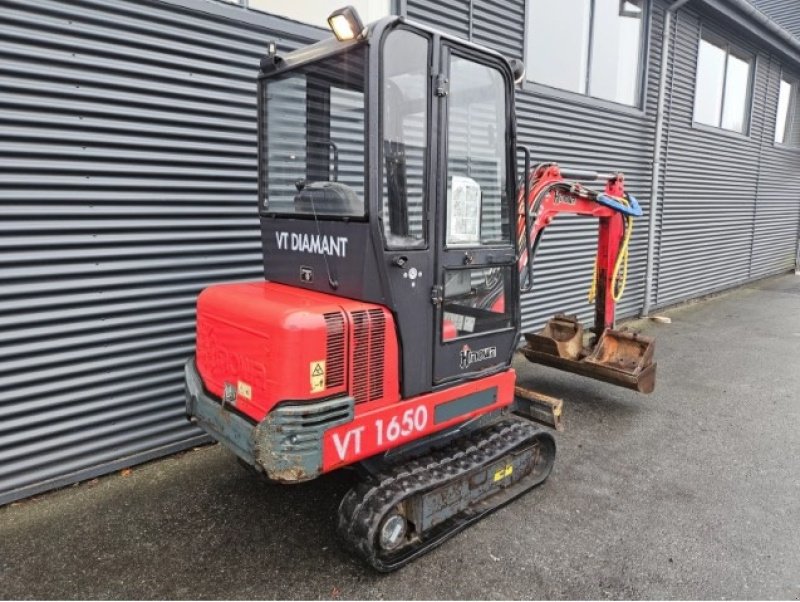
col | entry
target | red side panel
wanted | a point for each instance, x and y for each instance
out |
(378, 427)
(279, 343)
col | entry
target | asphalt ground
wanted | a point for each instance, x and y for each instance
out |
(691, 492)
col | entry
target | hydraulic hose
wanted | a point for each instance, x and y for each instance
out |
(621, 264)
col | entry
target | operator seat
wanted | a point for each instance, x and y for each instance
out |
(328, 198)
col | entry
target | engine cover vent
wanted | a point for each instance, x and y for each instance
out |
(369, 348)
(334, 355)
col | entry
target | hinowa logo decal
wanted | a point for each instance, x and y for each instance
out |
(468, 356)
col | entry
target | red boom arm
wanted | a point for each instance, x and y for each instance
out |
(549, 195)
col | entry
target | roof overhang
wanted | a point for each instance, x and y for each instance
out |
(746, 16)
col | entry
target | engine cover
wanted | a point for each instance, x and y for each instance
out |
(262, 343)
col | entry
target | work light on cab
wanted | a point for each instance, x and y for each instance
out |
(346, 24)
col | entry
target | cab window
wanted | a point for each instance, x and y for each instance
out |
(475, 301)
(477, 210)
(314, 138)
(404, 127)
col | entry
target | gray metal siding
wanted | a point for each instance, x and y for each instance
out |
(128, 183)
(451, 16)
(777, 210)
(575, 132)
(724, 202)
(500, 25)
(728, 202)
(785, 13)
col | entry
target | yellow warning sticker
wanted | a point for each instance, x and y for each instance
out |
(244, 390)
(502, 473)
(317, 376)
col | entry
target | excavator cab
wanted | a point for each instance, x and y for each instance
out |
(387, 175)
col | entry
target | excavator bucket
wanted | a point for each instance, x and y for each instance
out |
(618, 357)
(562, 336)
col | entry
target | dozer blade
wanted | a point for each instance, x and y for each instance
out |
(539, 407)
(620, 358)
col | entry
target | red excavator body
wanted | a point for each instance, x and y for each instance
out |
(276, 343)
(260, 344)
(396, 243)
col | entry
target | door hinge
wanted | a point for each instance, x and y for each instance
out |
(436, 295)
(442, 85)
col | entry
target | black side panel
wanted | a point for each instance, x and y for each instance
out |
(410, 287)
(327, 255)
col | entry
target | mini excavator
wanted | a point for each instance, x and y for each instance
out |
(397, 240)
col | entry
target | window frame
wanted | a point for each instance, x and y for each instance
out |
(508, 312)
(639, 108)
(792, 115)
(455, 52)
(261, 137)
(730, 48)
(429, 151)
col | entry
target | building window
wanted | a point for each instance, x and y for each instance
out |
(315, 12)
(591, 47)
(787, 130)
(722, 91)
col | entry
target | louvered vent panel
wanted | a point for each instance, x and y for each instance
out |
(359, 387)
(377, 348)
(369, 345)
(334, 350)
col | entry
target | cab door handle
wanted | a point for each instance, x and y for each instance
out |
(497, 259)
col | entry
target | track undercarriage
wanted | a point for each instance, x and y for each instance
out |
(408, 509)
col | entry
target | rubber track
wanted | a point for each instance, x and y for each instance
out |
(363, 507)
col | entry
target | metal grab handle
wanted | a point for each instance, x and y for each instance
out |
(579, 174)
(526, 200)
(335, 150)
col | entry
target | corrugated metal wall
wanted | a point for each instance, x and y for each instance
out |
(777, 210)
(785, 13)
(710, 184)
(128, 183)
(568, 129)
(728, 203)
(730, 208)
(451, 16)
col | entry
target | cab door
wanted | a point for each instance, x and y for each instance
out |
(405, 222)
(477, 292)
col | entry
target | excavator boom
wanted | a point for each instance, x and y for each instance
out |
(618, 357)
